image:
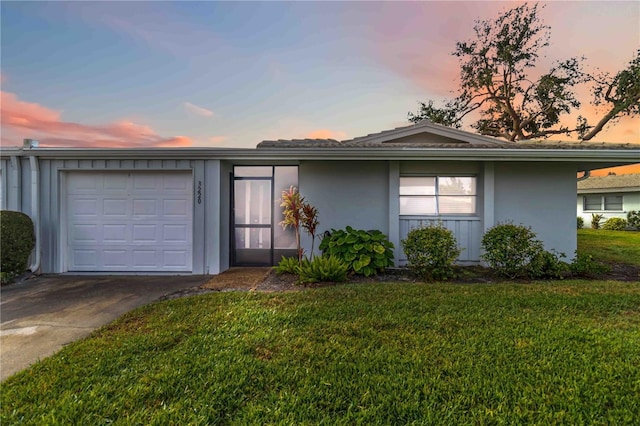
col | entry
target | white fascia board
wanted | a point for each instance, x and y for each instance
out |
(608, 190)
(362, 153)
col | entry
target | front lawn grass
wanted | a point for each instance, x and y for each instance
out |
(555, 352)
(610, 246)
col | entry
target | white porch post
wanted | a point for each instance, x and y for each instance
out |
(488, 196)
(394, 208)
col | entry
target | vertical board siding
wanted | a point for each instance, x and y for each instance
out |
(52, 194)
(467, 231)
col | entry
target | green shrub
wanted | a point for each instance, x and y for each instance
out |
(580, 222)
(615, 224)
(547, 265)
(595, 220)
(633, 218)
(365, 252)
(431, 252)
(509, 248)
(16, 243)
(584, 265)
(323, 269)
(288, 265)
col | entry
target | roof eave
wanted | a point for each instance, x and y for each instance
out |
(630, 156)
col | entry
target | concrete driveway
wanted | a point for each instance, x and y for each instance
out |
(41, 315)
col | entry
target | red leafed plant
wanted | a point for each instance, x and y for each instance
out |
(310, 222)
(297, 214)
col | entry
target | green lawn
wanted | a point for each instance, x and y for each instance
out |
(546, 353)
(610, 246)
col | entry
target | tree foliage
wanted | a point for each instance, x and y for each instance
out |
(498, 81)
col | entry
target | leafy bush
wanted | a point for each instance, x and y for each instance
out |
(584, 265)
(615, 224)
(323, 269)
(633, 218)
(509, 248)
(431, 252)
(16, 243)
(580, 222)
(365, 252)
(595, 220)
(288, 265)
(547, 265)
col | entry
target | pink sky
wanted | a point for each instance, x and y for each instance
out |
(269, 71)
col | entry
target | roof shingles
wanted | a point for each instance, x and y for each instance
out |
(610, 182)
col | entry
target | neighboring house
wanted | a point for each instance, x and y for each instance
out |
(202, 210)
(610, 196)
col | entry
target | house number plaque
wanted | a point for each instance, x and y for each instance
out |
(199, 192)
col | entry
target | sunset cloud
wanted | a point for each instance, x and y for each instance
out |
(326, 134)
(218, 140)
(197, 110)
(22, 119)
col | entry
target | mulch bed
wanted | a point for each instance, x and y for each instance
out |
(266, 280)
(464, 275)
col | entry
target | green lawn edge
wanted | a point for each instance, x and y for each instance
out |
(544, 352)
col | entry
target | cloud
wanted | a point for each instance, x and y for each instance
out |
(218, 140)
(326, 134)
(20, 119)
(197, 110)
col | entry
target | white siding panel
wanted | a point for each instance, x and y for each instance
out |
(129, 221)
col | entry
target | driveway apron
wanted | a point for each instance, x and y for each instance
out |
(41, 315)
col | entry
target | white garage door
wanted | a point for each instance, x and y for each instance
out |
(129, 221)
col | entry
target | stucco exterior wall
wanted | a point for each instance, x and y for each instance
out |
(354, 193)
(535, 195)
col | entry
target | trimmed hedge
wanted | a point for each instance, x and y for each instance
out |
(431, 252)
(615, 224)
(17, 240)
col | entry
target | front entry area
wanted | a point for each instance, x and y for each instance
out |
(258, 238)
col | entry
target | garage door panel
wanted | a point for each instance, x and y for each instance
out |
(145, 233)
(175, 233)
(145, 258)
(118, 233)
(115, 258)
(146, 182)
(131, 222)
(174, 208)
(145, 208)
(173, 258)
(87, 185)
(84, 207)
(116, 182)
(114, 207)
(172, 183)
(84, 258)
(84, 233)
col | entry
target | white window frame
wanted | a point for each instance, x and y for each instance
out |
(603, 203)
(437, 196)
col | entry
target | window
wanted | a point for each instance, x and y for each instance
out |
(602, 202)
(437, 195)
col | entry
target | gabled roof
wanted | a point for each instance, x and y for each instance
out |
(428, 135)
(424, 134)
(611, 183)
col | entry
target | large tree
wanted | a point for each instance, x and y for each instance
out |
(500, 84)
